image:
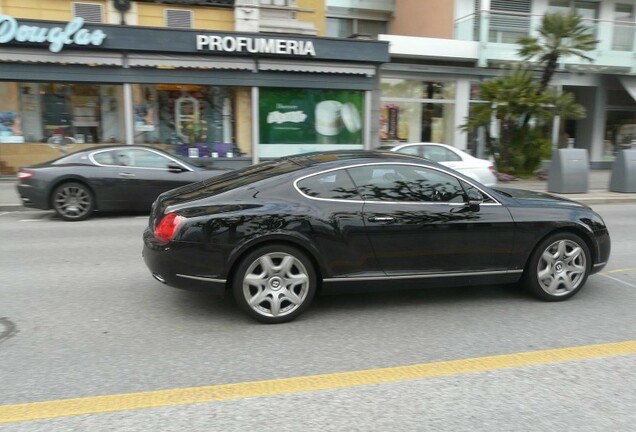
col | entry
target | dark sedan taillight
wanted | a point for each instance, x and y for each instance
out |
(24, 174)
(167, 227)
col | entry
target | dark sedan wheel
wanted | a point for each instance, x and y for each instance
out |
(275, 284)
(558, 267)
(73, 201)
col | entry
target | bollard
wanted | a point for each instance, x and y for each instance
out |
(623, 177)
(569, 171)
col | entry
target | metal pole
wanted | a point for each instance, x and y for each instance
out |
(255, 125)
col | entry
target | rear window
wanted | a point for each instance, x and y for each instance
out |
(249, 175)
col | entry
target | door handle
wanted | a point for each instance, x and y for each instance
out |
(125, 174)
(381, 219)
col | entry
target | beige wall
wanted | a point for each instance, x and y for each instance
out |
(316, 16)
(426, 18)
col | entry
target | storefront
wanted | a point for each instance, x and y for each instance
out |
(64, 86)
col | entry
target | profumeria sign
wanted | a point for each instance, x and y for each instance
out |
(56, 37)
(254, 45)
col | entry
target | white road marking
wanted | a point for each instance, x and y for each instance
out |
(621, 281)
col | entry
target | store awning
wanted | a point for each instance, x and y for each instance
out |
(189, 62)
(629, 82)
(315, 67)
(28, 55)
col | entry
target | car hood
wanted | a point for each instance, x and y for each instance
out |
(538, 198)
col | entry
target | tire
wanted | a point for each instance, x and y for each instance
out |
(558, 267)
(73, 201)
(274, 284)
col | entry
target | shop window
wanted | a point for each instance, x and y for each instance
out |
(189, 120)
(10, 119)
(90, 12)
(179, 18)
(417, 111)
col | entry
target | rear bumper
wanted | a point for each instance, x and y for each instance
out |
(33, 197)
(169, 264)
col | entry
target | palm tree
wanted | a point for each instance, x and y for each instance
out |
(560, 35)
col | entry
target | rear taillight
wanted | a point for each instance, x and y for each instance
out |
(24, 174)
(168, 227)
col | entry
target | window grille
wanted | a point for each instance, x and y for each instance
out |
(90, 12)
(179, 18)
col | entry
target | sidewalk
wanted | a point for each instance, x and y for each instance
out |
(598, 184)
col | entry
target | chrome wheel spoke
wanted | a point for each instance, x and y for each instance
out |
(561, 268)
(276, 284)
(275, 302)
(260, 296)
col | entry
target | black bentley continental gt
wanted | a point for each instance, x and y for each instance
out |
(278, 232)
(105, 178)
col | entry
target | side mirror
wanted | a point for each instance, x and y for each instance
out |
(174, 168)
(475, 199)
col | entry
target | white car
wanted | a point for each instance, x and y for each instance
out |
(478, 169)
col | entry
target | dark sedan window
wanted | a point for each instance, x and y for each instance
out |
(334, 185)
(405, 183)
(105, 158)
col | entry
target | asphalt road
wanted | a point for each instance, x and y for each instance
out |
(80, 316)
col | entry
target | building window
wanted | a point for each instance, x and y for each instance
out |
(417, 111)
(346, 27)
(588, 10)
(276, 2)
(509, 21)
(623, 38)
(90, 12)
(179, 18)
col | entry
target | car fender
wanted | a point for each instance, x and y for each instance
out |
(70, 178)
(296, 239)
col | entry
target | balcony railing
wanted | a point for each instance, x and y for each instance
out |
(508, 27)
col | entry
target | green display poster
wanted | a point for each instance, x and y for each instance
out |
(311, 118)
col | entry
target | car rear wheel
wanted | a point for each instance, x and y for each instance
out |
(558, 267)
(275, 284)
(73, 201)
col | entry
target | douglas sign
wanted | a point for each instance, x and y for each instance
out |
(56, 37)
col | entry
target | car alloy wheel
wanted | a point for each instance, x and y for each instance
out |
(275, 284)
(561, 266)
(73, 201)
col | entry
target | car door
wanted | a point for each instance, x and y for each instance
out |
(112, 190)
(148, 174)
(339, 230)
(418, 222)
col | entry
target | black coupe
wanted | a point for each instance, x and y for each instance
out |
(278, 232)
(105, 178)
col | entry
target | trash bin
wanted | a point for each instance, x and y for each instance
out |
(623, 177)
(569, 171)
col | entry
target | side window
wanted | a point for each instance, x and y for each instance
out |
(467, 187)
(148, 159)
(440, 154)
(411, 150)
(105, 158)
(333, 185)
(406, 183)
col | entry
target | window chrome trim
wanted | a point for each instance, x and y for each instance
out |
(421, 276)
(362, 201)
(91, 156)
(201, 278)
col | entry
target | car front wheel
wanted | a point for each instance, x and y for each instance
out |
(274, 284)
(558, 267)
(73, 201)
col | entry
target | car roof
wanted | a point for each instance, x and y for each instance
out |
(340, 157)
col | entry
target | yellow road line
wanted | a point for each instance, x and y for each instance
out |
(617, 271)
(215, 393)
